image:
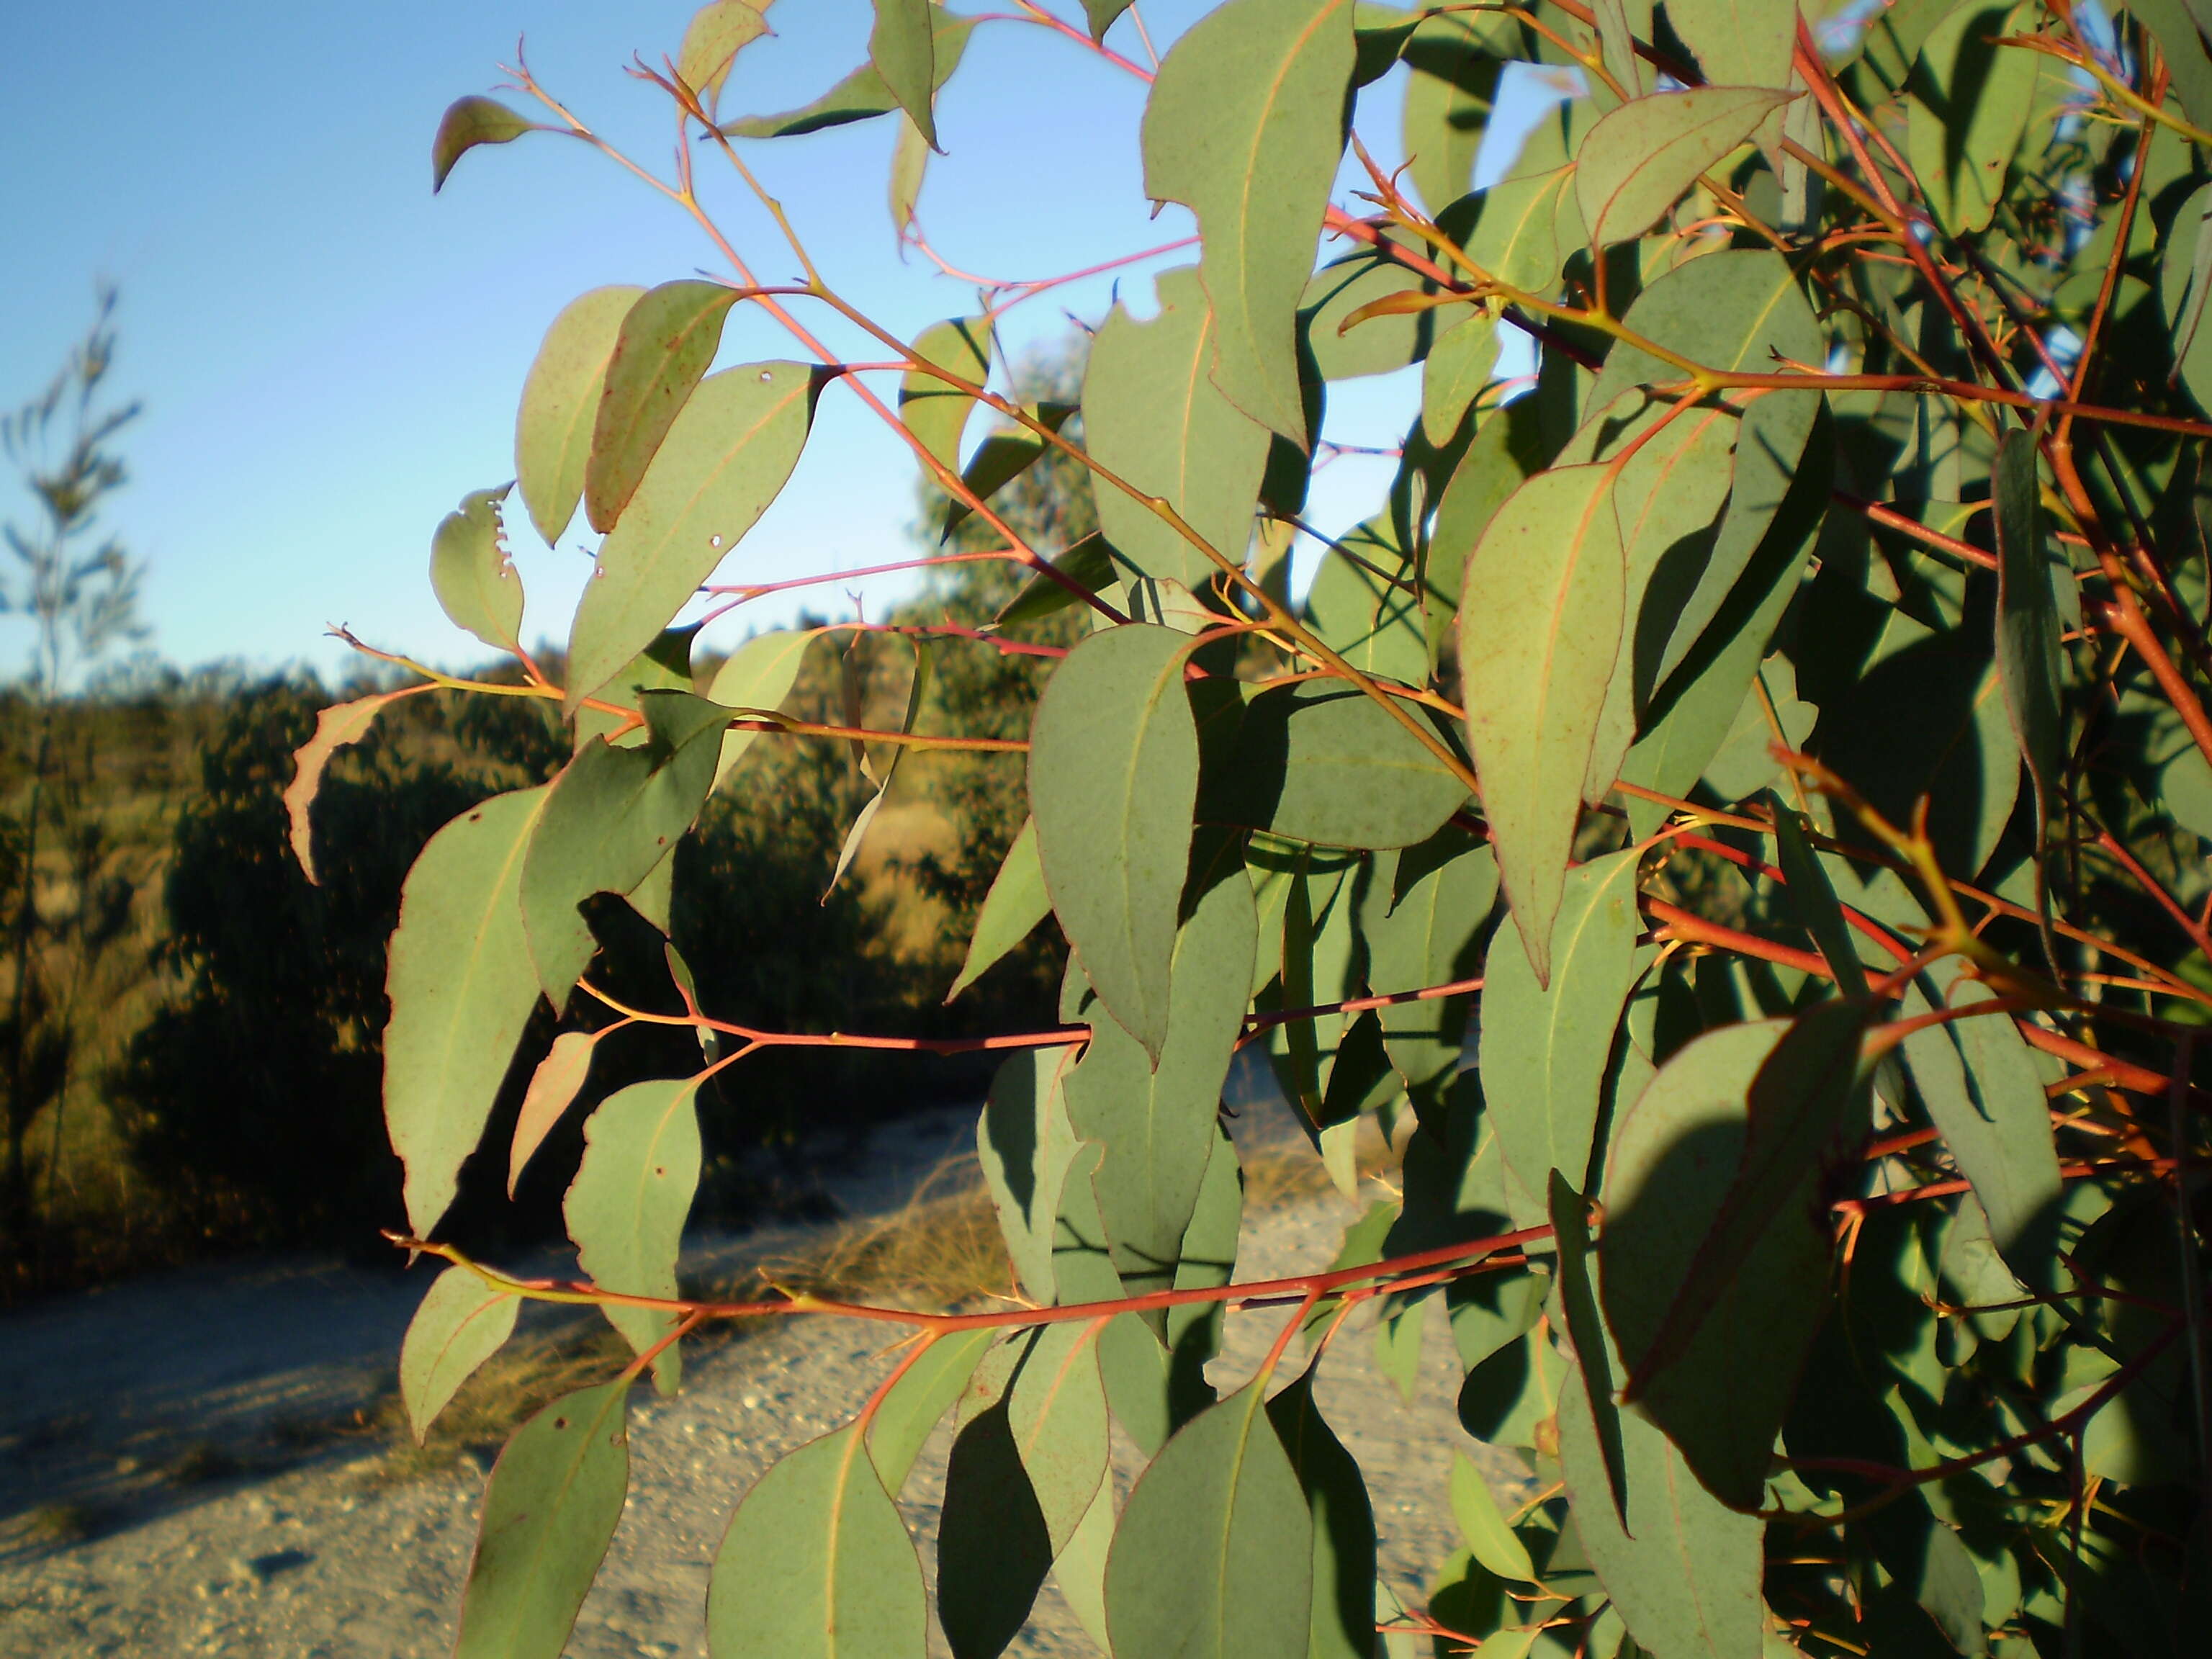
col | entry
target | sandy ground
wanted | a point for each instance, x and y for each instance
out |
(188, 1420)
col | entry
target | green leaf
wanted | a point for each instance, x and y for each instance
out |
(1365, 604)
(909, 163)
(923, 1393)
(934, 409)
(902, 48)
(664, 665)
(1244, 126)
(2185, 285)
(2182, 44)
(338, 727)
(2030, 669)
(1317, 762)
(1343, 1624)
(1585, 1330)
(462, 1322)
(1010, 911)
(718, 32)
(610, 817)
(1640, 157)
(816, 1562)
(1740, 43)
(1685, 1572)
(1027, 1147)
(1113, 776)
(1004, 457)
(1425, 936)
(1530, 220)
(471, 574)
(1813, 898)
(1453, 61)
(1153, 417)
(862, 95)
(550, 1507)
(467, 123)
(1047, 1379)
(461, 990)
(627, 1207)
(757, 677)
(1213, 1559)
(1377, 345)
(561, 401)
(667, 339)
(1089, 564)
(1460, 364)
(1715, 1263)
(1155, 1117)
(1545, 1049)
(553, 1089)
(1482, 1523)
(1081, 1571)
(722, 463)
(1540, 627)
(1969, 106)
(1101, 15)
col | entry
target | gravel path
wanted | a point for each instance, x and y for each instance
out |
(327, 1560)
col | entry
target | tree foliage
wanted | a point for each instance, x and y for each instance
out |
(1810, 654)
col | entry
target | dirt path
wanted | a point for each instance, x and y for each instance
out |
(328, 1559)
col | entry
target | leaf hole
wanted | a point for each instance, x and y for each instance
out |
(560, 1422)
(767, 374)
(714, 541)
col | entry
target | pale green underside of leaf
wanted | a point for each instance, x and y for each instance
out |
(1011, 911)
(935, 411)
(553, 1089)
(1640, 158)
(476, 585)
(862, 95)
(758, 675)
(467, 123)
(462, 1322)
(561, 405)
(902, 47)
(665, 343)
(626, 1210)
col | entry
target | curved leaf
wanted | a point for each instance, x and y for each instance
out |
(462, 1322)
(816, 1562)
(722, 463)
(1002, 458)
(902, 48)
(1540, 627)
(666, 341)
(1343, 1624)
(1244, 126)
(1640, 157)
(338, 727)
(1026, 1148)
(1317, 762)
(758, 675)
(467, 123)
(471, 574)
(923, 1393)
(1442, 893)
(1113, 777)
(1366, 604)
(862, 95)
(627, 1206)
(1461, 363)
(553, 1089)
(1010, 911)
(2030, 668)
(1453, 61)
(461, 990)
(1970, 103)
(550, 1510)
(1154, 417)
(717, 32)
(934, 411)
(560, 403)
(1213, 1559)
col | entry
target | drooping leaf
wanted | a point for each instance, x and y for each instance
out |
(1153, 416)
(717, 32)
(1343, 1624)
(553, 1089)
(1640, 158)
(1081, 1571)
(1812, 896)
(1113, 776)
(462, 1322)
(471, 574)
(1213, 1559)
(627, 1205)
(1244, 126)
(910, 154)
(1320, 763)
(1423, 935)
(1531, 220)
(1013, 906)
(1055, 1409)
(1545, 1049)
(902, 48)
(1340, 291)
(662, 350)
(664, 665)
(2185, 286)
(917, 692)
(1027, 1147)
(1460, 364)
(1089, 565)
(1102, 14)
(338, 727)
(935, 411)
(725, 459)
(1155, 1118)
(862, 95)
(758, 675)
(2030, 668)
(1482, 1523)
(1366, 604)
(1586, 1334)
(560, 405)
(461, 990)
(1453, 61)
(1540, 627)
(1685, 1570)
(1004, 457)
(923, 1393)
(467, 123)
(1970, 103)
(816, 1562)
(550, 1507)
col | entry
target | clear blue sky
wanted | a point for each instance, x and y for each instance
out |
(330, 356)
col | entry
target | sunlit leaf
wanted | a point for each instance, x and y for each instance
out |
(1459, 365)
(339, 725)
(553, 1089)
(467, 123)
(758, 675)
(1321, 763)
(1640, 158)
(1482, 1523)
(471, 574)
(1002, 458)
(667, 339)
(924, 1393)
(1343, 1624)
(935, 411)
(717, 32)
(561, 401)
(1088, 565)
(1011, 909)
(902, 48)
(627, 1207)
(462, 1322)
(1027, 1147)
(1969, 105)
(1453, 61)
(862, 95)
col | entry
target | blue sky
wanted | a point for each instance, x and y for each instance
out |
(330, 356)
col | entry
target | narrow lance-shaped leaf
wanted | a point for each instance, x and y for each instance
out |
(926, 1391)
(1813, 898)
(1639, 159)
(467, 123)
(561, 404)
(817, 1564)
(461, 990)
(666, 341)
(757, 677)
(935, 411)
(1244, 126)
(1970, 104)
(718, 32)
(1343, 1624)
(549, 1510)
(462, 1322)
(1010, 911)
(1027, 1149)
(340, 726)
(553, 1089)
(1540, 627)
(725, 459)
(902, 48)
(1482, 1523)
(631, 1197)
(917, 690)
(862, 95)
(1002, 458)
(2030, 668)
(1113, 778)
(471, 574)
